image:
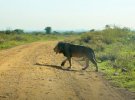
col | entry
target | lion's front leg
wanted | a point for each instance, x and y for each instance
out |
(69, 59)
(63, 62)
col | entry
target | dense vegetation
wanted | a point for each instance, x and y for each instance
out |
(114, 47)
(10, 39)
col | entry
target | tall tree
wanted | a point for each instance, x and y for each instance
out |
(48, 30)
(107, 26)
(18, 31)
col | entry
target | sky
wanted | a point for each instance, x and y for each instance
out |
(66, 14)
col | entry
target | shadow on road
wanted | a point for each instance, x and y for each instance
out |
(56, 67)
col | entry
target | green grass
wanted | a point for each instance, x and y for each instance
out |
(11, 40)
(114, 47)
(122, 80)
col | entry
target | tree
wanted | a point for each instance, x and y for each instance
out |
(8, 31)
(18, 31)
(92, 30)
(107, 26)
(48, 30)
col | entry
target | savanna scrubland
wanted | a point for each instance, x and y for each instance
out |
(113, 46)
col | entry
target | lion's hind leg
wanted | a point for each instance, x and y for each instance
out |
(87, 64)
(95, 63)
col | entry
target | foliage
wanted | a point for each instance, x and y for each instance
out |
(14, 39)
(48, 30)
(18, 31)
(114, 46)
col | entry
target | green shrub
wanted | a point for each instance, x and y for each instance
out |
(115, 47)
(18, 38)
(110, 57)
(2, 41)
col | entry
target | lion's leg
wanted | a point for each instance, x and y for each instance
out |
(87, 64)
(63, 62)
(69, 59)
(94, 62)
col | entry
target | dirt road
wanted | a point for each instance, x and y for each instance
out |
(33, 72)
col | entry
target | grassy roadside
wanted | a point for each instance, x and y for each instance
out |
(115, 48)
(8, 41)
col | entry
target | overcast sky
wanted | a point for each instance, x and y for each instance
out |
(66, 14)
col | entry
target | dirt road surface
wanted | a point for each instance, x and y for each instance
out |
(33, 72)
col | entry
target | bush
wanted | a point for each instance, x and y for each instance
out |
(18, 38)
(85, 38)
(2, 41)
(111, 57)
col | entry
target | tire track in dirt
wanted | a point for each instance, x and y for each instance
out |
(33, 72)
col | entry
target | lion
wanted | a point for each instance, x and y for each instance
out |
(70, 50)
